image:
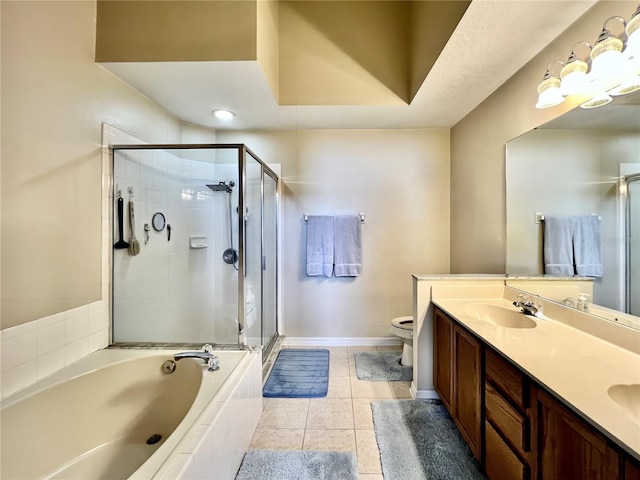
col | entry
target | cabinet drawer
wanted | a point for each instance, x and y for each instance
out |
(506, 419)
(506, 377)
(501, 462)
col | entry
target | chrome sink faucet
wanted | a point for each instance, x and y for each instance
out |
(206, 354)
(525, 305)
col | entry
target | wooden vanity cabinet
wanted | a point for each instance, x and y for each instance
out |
(568, 447)
(515, 428)
(508, 445)
(458, 377)
(631, 470)
(443, 356)
(467, 388)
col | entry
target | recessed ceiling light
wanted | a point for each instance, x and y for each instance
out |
(224, 114)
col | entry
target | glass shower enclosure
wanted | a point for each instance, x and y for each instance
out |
(194, 256)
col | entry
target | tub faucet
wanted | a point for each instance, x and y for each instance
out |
(206, 354)
(525, 305)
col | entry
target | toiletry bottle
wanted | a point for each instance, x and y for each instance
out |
(582, 304)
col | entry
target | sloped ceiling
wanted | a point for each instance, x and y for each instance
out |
(332, 64)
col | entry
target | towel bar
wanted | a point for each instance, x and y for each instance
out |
(538, 217)
(306, 217)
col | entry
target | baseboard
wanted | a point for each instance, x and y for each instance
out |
(341, 341)
(423, 394)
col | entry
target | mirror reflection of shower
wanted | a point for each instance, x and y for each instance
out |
(631, 236)
(230, 255)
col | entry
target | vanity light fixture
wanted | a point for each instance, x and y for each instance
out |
(599, 100)
(223, 114)
(607, 61)
(549, 94)
(632, 53)
(611, 67)
(574, 74)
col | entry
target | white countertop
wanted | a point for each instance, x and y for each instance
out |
(491, 276)
(574, 365)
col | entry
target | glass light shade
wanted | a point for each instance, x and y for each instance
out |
(606, 65)
(549, 93)
(629, 85)
(599, 100)
(632, 50)
(607, 60)
(574, 78)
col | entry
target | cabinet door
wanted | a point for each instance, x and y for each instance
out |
(467, 388)
(631, 469)
(443, 358)
(568, 448)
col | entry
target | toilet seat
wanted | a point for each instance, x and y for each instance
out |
(406, 323)
(402, 327)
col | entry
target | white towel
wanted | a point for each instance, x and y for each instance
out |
(348, 246)
(558, 246)
(320, 246)
(586, 245)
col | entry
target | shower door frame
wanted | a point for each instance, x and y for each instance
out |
(267, 343)
(628, 179)
(242, 164)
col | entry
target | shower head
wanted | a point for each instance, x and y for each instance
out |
(222, 186)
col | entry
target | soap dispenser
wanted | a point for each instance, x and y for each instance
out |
(582, 304)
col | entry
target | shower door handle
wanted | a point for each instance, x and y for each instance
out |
(264, 262)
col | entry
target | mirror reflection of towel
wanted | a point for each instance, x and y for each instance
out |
(558, 246)
(586, 246)
(572, 246)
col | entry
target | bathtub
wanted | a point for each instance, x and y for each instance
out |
(116, 415)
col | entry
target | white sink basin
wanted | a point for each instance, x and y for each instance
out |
(498, 316)
(628, 398)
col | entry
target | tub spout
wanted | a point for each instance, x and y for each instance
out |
(206, 355)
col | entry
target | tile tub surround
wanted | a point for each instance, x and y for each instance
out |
(560, 354)
(341, 421)
(217, 442)
(37, 349)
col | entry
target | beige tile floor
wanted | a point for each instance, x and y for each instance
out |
(341, 421)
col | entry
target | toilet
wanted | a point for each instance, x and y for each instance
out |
(403, 327)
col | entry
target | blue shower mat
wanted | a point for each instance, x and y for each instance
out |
(299, 373)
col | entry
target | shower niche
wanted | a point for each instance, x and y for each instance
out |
(209, 275)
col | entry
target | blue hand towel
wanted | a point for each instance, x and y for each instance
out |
(348, 246)
(558, 246)
(586, 246)
(320, 246)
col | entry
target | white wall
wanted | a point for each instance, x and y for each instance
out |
(400, 180)
(54, 101)
(55, 98)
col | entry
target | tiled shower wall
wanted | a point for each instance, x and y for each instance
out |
(171, 292)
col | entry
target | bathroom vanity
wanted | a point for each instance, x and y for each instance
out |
(533, 397)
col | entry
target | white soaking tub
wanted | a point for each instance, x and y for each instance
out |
(116, 415)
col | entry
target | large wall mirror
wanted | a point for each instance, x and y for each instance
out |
(585, 162)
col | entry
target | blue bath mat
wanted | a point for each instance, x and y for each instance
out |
(299, 373)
